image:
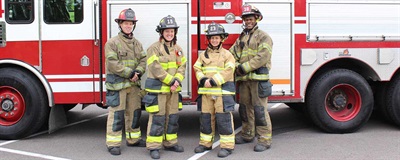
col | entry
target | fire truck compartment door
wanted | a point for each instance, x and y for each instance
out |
(149, 16)
(277, 23)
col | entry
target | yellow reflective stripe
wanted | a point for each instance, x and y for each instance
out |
(168, 65)
(209, 90)
(170, 137)
(229, 65)
(151, 59)
(111, 138)
(152, 109)
(266, 46)
(179, 76)
(267, 136)
(219, 79)
(111, 55)
(199, 75)
(206, 137)
(164, 89)
(197, 65)
(227, 92)
(246, 67)
(154, 139)
(131, 135)
(141, 69)
(227, 139)
(180, 105)
(129, 63)
(183, 60)
(253, 76)
(167, 79)
(211, 69)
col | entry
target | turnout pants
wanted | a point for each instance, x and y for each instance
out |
(162, 128)
(212, 112)
(254, 114)
(128, 113)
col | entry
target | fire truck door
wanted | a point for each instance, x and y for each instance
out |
(149, 16)
(67, 43)
(277, 23)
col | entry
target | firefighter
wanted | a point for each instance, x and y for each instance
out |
(125, 64)
(214, 71)
(166, 65)
(252, 51)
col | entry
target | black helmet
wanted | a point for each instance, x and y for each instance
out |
(248, 9)
(216, 29)
(167, 23)
(126, 15)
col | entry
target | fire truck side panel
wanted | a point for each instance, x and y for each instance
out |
(68, 57)
(149, 14)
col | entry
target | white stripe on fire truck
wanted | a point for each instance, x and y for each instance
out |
(72, 76)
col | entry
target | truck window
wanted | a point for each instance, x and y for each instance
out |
(19, 11)
(63, 11)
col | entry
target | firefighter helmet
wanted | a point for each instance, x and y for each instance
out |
(167, 22)
(248, 9)
(126, 15)
(216, 29)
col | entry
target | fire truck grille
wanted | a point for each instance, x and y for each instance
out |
(2, 34)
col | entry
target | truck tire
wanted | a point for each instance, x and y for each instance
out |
(24, 108)
(340, 101)
(393, 101)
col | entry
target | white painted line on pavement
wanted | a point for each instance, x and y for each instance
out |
(31, 154)
(276, 105)
(40, 133)
(215, 144)
(7, 142)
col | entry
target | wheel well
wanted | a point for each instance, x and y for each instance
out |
(33, 72)
(355, 65)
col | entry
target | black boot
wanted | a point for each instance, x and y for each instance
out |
(114, 150)
(139, 143)
(201, 148)
(176, 148)
(241, 140)
(155, 154)
(260, 147)
(224, 152)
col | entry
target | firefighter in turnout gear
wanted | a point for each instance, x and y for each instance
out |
(125, 64)
(252, 51)
(215, 73)
(166, 70)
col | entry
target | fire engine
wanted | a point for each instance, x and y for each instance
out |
(336, 60)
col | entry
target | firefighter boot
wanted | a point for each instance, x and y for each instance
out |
(224, 152)
(155, 154)
(139, 143)
(114, 150)
(201, 148)
(176, 148)
(241, 140)
(261, 147)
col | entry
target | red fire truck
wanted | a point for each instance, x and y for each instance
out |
(335, 59)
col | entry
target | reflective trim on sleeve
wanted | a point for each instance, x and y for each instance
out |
(246, 66)
(179, 76)
(151, 59)
(218, 79)
(167, 79)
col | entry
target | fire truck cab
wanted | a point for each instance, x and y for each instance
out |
(336, 60)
